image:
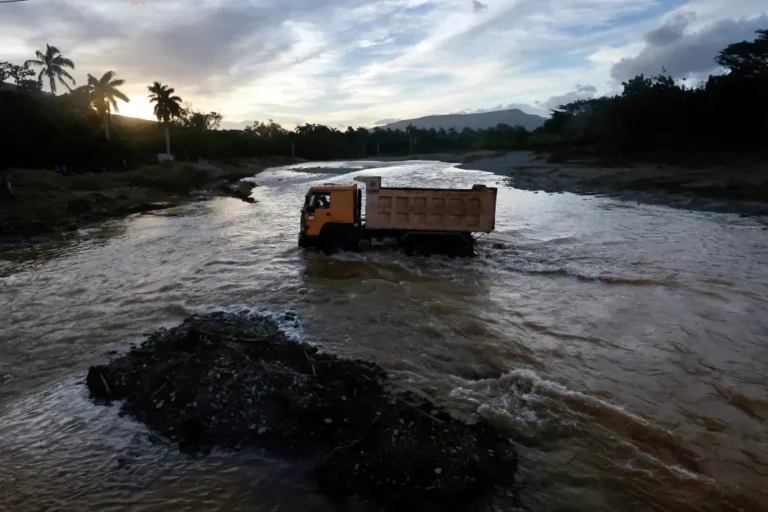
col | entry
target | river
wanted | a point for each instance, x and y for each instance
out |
(623, 346)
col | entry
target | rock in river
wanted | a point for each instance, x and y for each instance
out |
(236, 380)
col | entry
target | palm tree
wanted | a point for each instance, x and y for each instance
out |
(52, 65)
(411, 131)
(103, 95)
(167, 107)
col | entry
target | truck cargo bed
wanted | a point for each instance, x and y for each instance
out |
(429, 209)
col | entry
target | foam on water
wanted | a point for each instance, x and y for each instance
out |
(287, 320)
(537, 388)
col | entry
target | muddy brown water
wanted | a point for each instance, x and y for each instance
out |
(625, 347)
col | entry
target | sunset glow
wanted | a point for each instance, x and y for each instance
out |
(138, 107)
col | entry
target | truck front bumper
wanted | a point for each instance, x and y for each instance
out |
(307, 241)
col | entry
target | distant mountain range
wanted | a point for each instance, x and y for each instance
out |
(512, 117)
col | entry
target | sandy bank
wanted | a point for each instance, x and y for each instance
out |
(738, 188)
(46, 202)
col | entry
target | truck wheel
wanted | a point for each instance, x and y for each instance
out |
(466, 246)
(329, 243)
(335, 238)
(326, 242)
(466, 250)
(349, 240)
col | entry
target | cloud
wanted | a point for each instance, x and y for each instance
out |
(683, 53)
(672, 30)
(528, 109)
(345, 62)
(198, 51)
(478, 6)
(69, 25)
(579, 92)
(225, 45)
(386, 120)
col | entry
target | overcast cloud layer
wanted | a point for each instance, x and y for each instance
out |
(362, 61)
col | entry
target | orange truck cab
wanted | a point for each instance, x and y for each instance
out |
(329, 208)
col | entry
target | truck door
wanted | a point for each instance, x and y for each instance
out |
(329, 205)
(318, 211)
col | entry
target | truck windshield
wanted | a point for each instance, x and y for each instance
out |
(319, 200)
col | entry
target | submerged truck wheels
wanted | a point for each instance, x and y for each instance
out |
(426, 244)
(338, 237)
(343, 237)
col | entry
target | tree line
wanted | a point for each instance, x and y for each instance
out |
(727, 111)
(661, 114)
(50, 129)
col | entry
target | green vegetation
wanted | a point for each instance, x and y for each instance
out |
(727, 112)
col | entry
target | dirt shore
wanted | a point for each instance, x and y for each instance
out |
(235, 380)
(46, 203)
(740, 187)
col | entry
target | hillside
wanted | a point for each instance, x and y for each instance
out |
(132, 122)
(512, 117)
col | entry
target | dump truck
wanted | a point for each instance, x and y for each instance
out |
(418, 220)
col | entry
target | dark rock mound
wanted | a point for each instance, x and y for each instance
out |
(236, 380)
(240, 190)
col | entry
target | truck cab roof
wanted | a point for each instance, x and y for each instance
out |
(329, 187)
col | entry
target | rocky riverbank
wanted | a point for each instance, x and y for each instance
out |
(235, 380)
(45, 202)
(738, 187)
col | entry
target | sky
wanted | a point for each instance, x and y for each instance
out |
(365, 62)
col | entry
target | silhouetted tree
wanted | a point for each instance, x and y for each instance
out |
(747, 58)
(20, 74)
(201, 121)
(267, 130)
(52, 64)
(103, 95)
(167, 107)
